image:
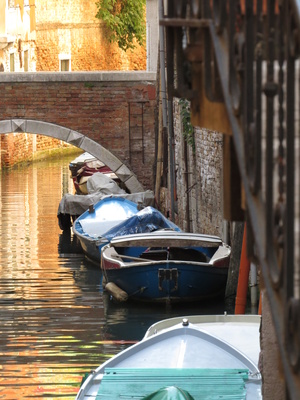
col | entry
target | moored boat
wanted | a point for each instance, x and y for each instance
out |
(165, 266)
(187, 356)
(98, 187)
(95, 229)
(83, 167)
(91, 226)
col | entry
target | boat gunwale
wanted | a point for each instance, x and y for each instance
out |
(184, 238)
(179, 329)
(145, 263)
(203, 319)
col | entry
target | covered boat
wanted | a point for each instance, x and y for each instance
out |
(165, 266)
(83, 167)
(98, 187)
(92, 225)
(200, 364)
(115, 216)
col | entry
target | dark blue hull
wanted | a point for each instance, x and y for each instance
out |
(169, 281)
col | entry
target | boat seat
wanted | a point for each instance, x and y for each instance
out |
(202, 384)
(155, 254)
(177, 253)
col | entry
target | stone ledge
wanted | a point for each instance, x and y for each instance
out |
(103, 76)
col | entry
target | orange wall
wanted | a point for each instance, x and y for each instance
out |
(71, 28)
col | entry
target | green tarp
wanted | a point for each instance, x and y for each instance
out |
(147, 383)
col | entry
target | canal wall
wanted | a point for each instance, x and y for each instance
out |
(25, 147)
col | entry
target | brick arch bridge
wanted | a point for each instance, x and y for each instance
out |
(109, 114)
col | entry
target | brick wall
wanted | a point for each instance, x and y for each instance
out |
(46, 143)
(19, 147)
(97, 109)
(202, 193)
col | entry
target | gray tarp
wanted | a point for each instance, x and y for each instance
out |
(100, 186)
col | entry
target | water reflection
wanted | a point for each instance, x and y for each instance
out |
(56, 322)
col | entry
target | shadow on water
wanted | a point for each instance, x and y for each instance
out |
(68, 245)
(56, 322)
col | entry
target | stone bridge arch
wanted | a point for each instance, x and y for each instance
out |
(76, 139)
(112, 115)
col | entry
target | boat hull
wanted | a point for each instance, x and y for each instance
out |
(169, 281)
(90, 249)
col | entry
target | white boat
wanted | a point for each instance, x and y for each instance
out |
(208, 357)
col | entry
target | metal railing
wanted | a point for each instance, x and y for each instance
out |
(248, 54)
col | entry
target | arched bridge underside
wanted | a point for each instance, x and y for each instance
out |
(108, 114)
(79, 140)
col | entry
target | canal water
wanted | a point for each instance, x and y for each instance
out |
(56, 323)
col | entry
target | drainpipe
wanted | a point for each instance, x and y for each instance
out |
(163, 117)
(253, 287)
(171, 158)
(169, 114)
(242, 288)
(187, 214)
(162, 66)
(167, 109)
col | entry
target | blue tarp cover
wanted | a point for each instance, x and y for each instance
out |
(147, 220)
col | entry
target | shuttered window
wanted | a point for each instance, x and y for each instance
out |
(12, 62)
(65, 65)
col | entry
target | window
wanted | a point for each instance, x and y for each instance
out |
(11, 62)
(64, 62)
(25, 60)
(65, 65)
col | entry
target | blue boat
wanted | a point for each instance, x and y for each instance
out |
(92, 225)
(165, 266)
(115, 216)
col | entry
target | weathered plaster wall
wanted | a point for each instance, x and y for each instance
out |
(199, 179)
(70, 30)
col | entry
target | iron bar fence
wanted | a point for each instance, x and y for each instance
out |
(247, 54)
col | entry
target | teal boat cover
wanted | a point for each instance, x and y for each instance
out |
(169, 393)
(150, 384)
